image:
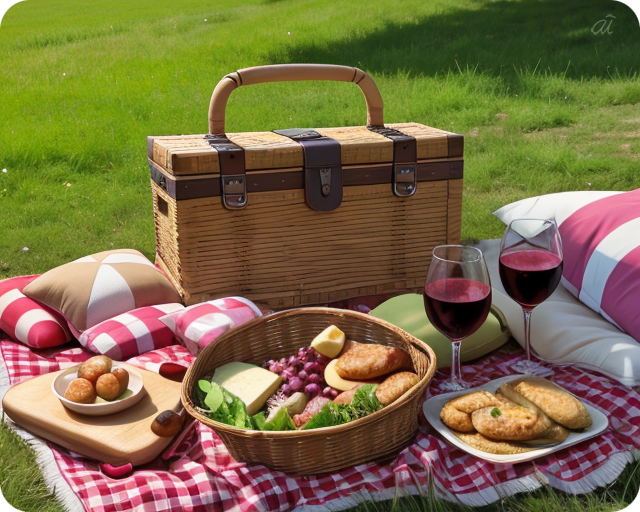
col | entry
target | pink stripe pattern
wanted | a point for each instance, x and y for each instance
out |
(25, 320)
(601, 243)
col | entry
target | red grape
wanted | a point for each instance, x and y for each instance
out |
(295, 383)
(316, 378)
(286, 390)
(312, 390)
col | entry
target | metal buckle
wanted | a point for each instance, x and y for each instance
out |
(325, 181)
(234, 191)
(405, 179)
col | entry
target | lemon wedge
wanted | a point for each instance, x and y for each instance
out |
(329, 342)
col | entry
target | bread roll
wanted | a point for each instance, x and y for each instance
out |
(394, 386)
(365, 361)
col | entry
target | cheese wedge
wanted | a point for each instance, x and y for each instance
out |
(250, 383)
(329, 342)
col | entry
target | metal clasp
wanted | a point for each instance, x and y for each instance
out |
(405, 179)
(234, 191)
(325, 181)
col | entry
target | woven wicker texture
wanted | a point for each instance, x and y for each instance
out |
(374, 438)
(281, 253)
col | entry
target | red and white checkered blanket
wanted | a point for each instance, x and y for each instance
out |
(201, 475)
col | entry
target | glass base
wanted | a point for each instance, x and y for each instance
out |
(454, 385)
(529, 367)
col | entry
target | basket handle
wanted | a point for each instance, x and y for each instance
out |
(290, 73)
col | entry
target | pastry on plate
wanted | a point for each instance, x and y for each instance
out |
(510, 423)
(456, 413)
(560, 405)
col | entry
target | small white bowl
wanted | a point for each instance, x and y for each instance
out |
(60, 384)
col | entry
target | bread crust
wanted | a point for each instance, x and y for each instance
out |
(484, 444)
(561, 406)
(510, 423)
(365, 361)
(396, 385)
(456, 413)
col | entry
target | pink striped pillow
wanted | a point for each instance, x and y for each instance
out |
(131, 334)
(200, 324)
(600, 234)
(24, 320)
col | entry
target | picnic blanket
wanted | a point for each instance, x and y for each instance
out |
(196, 472)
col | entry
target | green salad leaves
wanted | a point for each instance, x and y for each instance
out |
(364, 402)
(220, 405)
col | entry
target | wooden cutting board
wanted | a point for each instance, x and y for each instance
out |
(118, 439)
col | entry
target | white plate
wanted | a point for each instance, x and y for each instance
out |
(433, 406)
(61, 382)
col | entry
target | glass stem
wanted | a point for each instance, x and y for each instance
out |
(455, 361)
(527, 332)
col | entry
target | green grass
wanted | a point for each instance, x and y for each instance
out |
(545, 105)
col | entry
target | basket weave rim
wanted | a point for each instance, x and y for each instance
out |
(418, 388)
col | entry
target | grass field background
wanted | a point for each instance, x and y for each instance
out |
(546, 94)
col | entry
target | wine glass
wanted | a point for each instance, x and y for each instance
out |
(457, 299)
(530, 267)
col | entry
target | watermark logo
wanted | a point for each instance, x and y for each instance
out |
(603, 27)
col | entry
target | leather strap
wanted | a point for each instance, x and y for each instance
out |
(405, 160)
(233, 179)
(195, 187)
(322, 168)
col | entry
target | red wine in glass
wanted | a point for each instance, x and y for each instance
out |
(457, 299)
(457, 306)
(530, 276)
(530, 266)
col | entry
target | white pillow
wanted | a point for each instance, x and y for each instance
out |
(600, 234)
(565, 331)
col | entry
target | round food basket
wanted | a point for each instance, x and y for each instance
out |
(376, 437)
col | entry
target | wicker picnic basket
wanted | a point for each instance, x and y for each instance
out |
(376, 437)
(306, 216)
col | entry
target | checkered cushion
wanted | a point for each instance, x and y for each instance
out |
(131, 334)
(198, 325)
(24, 320)
(95, 288)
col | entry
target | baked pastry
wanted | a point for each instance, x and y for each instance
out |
(396, 385)
(484, 444)
(510, 423)
(561, 406)
(456, 413)
(365, 361)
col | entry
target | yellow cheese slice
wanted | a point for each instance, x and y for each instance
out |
(250, 383)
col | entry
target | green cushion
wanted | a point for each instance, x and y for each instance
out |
(407, 312)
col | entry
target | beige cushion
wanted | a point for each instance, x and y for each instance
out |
(95, 288)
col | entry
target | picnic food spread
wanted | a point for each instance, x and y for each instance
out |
(524, 413)
(97, 383)
(297, 392)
